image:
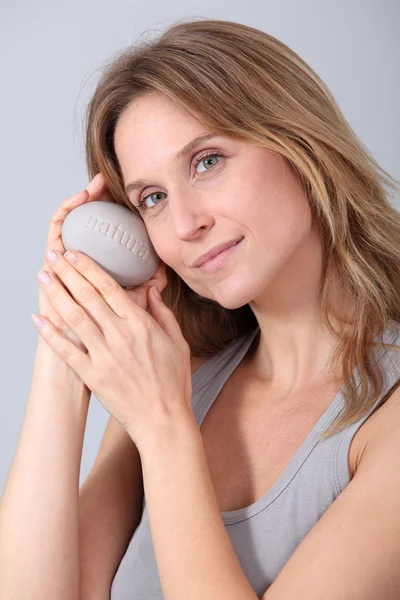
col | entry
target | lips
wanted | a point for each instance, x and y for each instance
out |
(214, 251)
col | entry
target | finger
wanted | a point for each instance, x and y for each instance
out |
(98, 189)
(79, 361)
(165, 317)
(96, 291)
(139, 294)
(76, 318)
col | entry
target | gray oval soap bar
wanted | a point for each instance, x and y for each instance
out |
(115, 238)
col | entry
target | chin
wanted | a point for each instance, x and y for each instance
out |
(232, 299)
(233, 303)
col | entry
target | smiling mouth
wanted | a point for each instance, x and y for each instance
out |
(219, 259)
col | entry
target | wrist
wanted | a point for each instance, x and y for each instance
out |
(181, 431)
(53, 371)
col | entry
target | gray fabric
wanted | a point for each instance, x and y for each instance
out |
(266, 533)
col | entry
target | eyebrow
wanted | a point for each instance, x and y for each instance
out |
(181, 154)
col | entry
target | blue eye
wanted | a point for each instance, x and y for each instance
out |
(197, 160)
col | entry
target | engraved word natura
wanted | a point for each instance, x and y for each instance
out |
(124, 238)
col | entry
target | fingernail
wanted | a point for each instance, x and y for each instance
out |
(44, 277)
(53, 257)
(38, 321)
(71, 257)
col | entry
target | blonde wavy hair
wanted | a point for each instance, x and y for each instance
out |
(243, 83)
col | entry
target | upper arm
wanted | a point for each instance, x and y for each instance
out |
(353, 551)
(110, 508)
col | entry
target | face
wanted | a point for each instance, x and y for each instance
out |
(236, 191)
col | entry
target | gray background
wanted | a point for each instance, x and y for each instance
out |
(51, 57)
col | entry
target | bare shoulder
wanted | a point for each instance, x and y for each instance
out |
(387, 417)
(382, 425)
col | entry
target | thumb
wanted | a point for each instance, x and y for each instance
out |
(164, 316)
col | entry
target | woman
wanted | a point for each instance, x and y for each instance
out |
(284, 484)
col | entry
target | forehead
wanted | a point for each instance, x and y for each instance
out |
(154, 117)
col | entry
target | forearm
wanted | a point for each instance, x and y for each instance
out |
(39, 542)
(194, 554)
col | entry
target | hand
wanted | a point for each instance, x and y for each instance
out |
(95, 190)
(137, 362)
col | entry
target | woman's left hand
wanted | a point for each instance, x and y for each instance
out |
(137, 362)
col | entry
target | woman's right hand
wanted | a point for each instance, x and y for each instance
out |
(95, 190)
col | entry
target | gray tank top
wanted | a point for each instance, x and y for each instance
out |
(266, 533)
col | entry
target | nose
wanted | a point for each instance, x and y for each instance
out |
(189, 212)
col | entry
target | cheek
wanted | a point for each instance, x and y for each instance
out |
(167, 253)
(278, 217)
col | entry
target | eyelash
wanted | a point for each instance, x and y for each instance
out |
(197, 161)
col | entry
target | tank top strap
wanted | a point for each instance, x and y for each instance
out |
(209, 378)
